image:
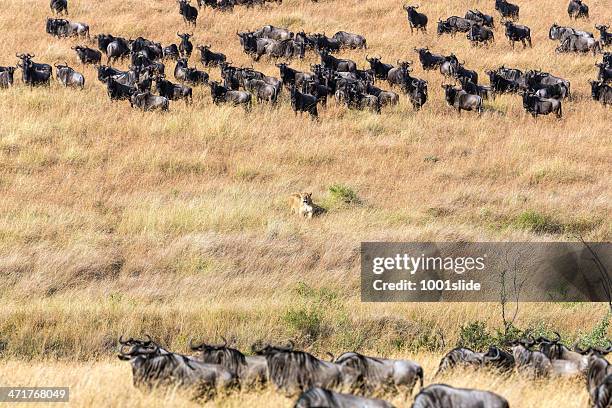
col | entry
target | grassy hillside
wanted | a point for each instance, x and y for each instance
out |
(116, 221)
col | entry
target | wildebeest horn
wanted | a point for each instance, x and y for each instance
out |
(331, 356)
(224, 341)
(121, 339)
(558, 337)
(149, 339)
(496, 355)
(291, 345)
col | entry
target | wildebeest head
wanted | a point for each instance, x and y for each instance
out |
(228, 357)
(185, 36)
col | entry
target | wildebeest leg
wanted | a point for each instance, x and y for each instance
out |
(410, 24)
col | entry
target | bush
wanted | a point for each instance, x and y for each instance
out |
(307, 323)
(341, 194)
(598, 336)
(475, 336)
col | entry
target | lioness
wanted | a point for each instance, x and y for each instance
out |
(301, 204)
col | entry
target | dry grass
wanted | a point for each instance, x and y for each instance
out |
(116, 221)
(109, 384)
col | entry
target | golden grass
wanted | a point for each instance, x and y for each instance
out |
(110, 384)
(116, 221)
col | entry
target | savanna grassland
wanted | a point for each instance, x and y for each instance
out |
(114, 221)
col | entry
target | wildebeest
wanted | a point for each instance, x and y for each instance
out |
(556, 91)
(428, 59)
(541, 106)
(278, 49)
(400, 74)
(290, 76)
(560, 33)
(484, 92)
(184, 73)
(535, 80)
(209, 58)
(68, 76)
(323, 398)
(273, 33)
(447, 66)
(250, 370)
(59, 6)
(445, 396)
(416, 20)
(173, 91)
(602, 394)
(395, 376)
(605, 37)
(385, 97)
(598, 369)
(381, 70)
(601, 92)
(221, 94)
(153, 366)
(60, 27)
(501, 85)
(480, 34)
(88, 55)
(579, 43)
(605, 72)
(106, 71)
(115, 48)
(458, 71)
(481, 18)
(294, 371)
(528, 362)
(517, 32)
(261, 90)
(34, 73)
(337, 64)
(507, 9)
(189, 13)
(149, 102)
(316, 89)
(417, 92)
(7, 77)
(453, 25)
(185, 46)
(301, 102)
(577, 9)
(350, 40)
(148, 48)
(461, 100)
(323, 43)
(117, 91)
(56, 27)
(459, 357)
(171, 52)
(558, 353)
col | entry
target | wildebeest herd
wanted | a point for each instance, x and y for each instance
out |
(542, 93)
(356, 380)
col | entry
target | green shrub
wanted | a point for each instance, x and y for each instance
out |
(304, 322)
(341, 194)
(598, 336)
(475, 336)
